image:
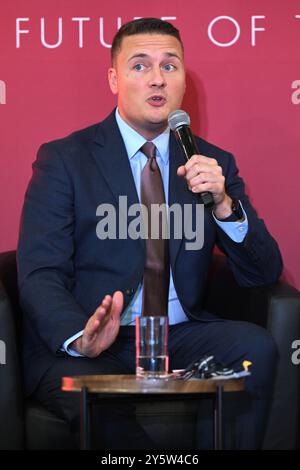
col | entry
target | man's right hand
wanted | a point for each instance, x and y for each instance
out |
(102, 328)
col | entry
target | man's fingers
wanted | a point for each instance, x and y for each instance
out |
(198, 169)
(117, 304)
(110, 307)
(181, 171)
(205, 178)
(91, 327)
(105, 305)
(198, 164)
(201, 159)
(96, 319)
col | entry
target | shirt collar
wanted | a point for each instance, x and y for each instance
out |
(133, 140)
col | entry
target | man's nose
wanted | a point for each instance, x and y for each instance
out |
(157, 77)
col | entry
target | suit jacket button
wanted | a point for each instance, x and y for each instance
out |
(129, 291)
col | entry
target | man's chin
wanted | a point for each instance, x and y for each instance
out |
(158, 120)
(158, 126)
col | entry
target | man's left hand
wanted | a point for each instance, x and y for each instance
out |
(205, 174)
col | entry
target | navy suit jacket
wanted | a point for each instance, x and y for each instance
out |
(65, 270)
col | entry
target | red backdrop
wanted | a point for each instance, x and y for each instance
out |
(243, 91)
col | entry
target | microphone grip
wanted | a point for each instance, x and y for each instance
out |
(207, 199)
(189, 147)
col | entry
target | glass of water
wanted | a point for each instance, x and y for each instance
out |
(152, 359)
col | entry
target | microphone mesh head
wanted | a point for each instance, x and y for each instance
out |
(178, 118)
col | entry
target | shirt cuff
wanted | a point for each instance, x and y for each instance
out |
(235, 230)
(70, 351)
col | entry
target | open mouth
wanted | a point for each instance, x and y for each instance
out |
(157, 100)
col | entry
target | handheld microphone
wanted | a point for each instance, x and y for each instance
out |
(179, 122)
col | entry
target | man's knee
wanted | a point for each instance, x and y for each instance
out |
(260, 345)
(261, 350)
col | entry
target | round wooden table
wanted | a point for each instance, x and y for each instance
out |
(113, 386)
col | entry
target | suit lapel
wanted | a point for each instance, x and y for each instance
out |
(110, 154)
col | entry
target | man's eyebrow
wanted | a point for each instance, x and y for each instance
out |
(142, 55)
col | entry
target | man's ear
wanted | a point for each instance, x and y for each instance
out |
(113, 80)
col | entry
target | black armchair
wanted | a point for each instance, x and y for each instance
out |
(26, 424)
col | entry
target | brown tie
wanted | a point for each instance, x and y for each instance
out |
(157, 266)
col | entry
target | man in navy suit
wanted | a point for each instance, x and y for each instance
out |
(80, 292)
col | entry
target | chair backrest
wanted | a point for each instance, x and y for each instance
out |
(9, 280)
(11, 390)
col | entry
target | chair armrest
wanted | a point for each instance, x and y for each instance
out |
(284, 325)
(284, 314)
(226, 298)
(277, 308)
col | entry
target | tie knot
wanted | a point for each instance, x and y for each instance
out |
(149, 149)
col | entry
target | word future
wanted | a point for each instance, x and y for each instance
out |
(51, 31)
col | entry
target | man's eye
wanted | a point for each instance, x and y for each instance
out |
(139, 67)
(169, 67)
